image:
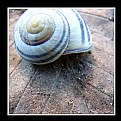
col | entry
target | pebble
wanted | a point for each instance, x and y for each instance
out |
(111, 103)
(70, 102)
(110, 56)
(79, 72)
(62, 65)
(63, 69)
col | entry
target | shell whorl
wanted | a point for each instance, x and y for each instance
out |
(42, 35)
(37, 29)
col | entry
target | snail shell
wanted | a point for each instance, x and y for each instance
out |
(41, 36)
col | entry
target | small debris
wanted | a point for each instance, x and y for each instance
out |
(63, 69)
(111, 103)
(70, 102)
(92, 32)
(62, 65)
(79, 72)
(112, 39)
(111, 19)
(79, 78)
(38, 93)
(13, 58)
(110, 56)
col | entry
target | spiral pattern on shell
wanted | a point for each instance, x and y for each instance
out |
(42, 35)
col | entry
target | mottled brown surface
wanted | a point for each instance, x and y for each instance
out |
(74, 84)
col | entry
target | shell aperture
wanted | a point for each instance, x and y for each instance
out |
(41, 36)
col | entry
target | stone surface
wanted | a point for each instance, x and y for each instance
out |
(99, 25)
(38, 91)
(18, 81)
(103, 43)
(98, 103)
(14, 59)
(101, 12)
(100, 59)
(103, 81)
(104, 60)
(65, 99)
(13, 17)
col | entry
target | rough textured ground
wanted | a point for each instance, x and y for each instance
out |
(74, 84)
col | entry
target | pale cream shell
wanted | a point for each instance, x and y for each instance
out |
(43, 35)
